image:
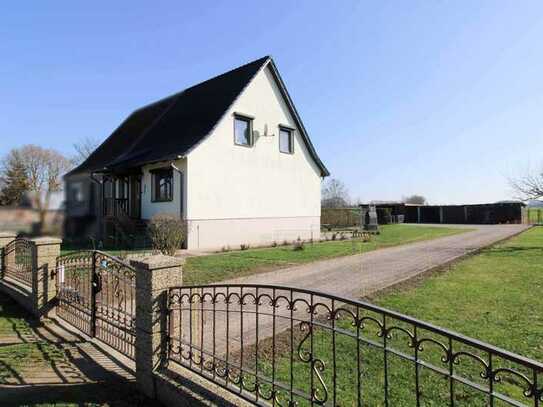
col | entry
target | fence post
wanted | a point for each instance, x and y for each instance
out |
(154, 275)
(93, 289)
(5, 238)
(46, 251)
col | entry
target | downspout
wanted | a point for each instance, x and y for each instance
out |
(180, 188)
(181, 195)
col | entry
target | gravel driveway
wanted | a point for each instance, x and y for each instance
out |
(224, 332)
(359, 275)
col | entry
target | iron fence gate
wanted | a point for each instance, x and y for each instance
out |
(18, 255)
(96, 294)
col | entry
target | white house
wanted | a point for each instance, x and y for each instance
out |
(230, 155)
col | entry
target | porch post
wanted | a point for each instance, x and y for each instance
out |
(154, 274)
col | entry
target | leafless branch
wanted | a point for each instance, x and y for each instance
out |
(44, 169)
(84, 148)
(528, 186)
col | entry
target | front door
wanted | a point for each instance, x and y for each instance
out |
(135, 196)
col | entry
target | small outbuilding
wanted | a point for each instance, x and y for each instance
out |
(492, 213)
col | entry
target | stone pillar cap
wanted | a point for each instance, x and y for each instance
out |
(157, 261)
(44, 240)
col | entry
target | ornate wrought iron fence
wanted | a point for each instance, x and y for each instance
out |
(96, 294)
(74, 274)
(18, 261)
(282, 346)
(115, 303)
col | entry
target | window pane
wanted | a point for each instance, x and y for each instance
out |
(162, 189)
(241, 130)
(285, 141)
(163, 186)
(76, 192)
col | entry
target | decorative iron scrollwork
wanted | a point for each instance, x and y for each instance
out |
(280, 326)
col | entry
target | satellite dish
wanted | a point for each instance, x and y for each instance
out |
(266, 131)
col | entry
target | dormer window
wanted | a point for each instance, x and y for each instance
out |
(286, 142)
(243, 131)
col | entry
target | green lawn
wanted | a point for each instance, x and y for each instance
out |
(216, 267)
(494, 296)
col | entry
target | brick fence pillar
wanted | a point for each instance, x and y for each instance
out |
(46, 251)
(154, 274)
(5, 238)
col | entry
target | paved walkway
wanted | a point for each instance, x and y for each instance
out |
(42, 362)
(359, 275)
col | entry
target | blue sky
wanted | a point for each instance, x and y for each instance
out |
(440, 98)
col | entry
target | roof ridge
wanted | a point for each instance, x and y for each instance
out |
(176, 124)
(178, 93)
(264, 62)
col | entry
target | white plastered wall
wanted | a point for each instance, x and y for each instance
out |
(149, 208)
(253, 195)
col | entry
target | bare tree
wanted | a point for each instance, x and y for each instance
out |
(84, 148)
(415, 199)
(44, 169)
(334, 194)
(529, 186)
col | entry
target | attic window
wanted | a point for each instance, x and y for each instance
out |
(242, 131)
(286, 142)
(162, 185)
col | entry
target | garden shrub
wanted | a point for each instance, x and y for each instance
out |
(167, 233)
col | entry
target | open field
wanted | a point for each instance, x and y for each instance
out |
(494, 297)
(217, 267)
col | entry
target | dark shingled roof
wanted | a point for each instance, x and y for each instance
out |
(170, 127)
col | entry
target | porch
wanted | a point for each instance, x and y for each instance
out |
(122, 224)
(121, 196)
